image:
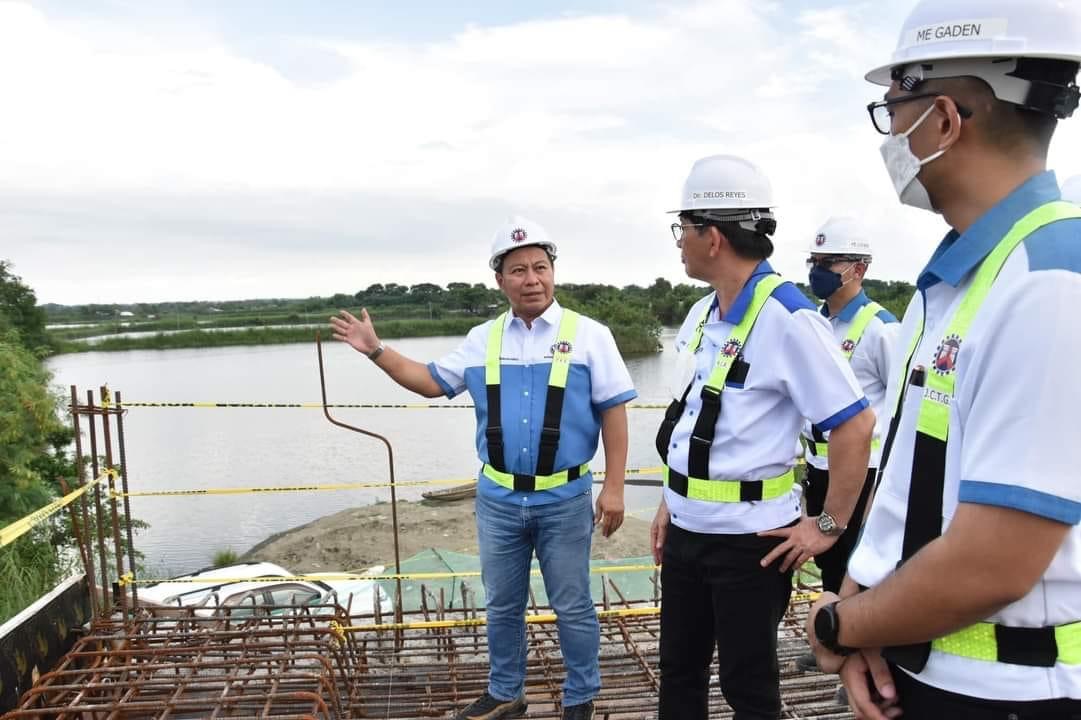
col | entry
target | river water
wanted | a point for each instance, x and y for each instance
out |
(195, 448)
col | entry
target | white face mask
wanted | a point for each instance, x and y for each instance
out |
(903, 166)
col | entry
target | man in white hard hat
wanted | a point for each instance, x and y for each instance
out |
(546, 384)
(971, 553)
(754, 359)
(864, 332)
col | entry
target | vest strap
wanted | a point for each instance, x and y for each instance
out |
(694, 488)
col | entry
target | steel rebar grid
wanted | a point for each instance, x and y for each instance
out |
(412, 682)
(176, 663)
(173, 663)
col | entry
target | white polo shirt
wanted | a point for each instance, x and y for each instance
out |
(1013, 425)
(796, 371)
(870, 363)
(597, 380)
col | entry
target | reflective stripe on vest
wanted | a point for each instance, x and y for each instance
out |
(529, 483)
(496, 469)
(923, 516)
(701, 440)
(1035, 647)
(820, 447)
(707, 490)
(858, 327)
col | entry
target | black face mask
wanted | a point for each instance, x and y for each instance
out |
(824, 282)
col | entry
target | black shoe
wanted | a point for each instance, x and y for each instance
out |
(807, 662)
(584, 711)
(487, 707)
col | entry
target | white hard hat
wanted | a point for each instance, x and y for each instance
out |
(1071, 190)
(725, 182)
(985, 38)
(515, 233)
(841, 236)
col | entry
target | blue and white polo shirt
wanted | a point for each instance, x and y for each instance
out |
(598, 380)
(870, 363)
(1013, 432)
(796, 371)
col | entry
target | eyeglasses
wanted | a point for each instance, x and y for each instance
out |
(677, 229)
(882, 115)
(829, 261)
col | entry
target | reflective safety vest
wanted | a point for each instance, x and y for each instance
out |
(819, 446)
(1039, 647)
(697, 485)
(546, 477)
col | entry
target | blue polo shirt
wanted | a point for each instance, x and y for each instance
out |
(598, 380)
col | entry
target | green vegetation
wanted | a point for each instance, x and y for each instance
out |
(32, 448)
(635, 315)
(224, 558)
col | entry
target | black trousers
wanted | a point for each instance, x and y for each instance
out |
(834, 562)
(923, 702)
(716, 595)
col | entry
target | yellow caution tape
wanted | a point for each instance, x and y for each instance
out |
(334, 486)
(317, 406)
(545, 618)
(20, 527)
(126, 579)
(390, 576)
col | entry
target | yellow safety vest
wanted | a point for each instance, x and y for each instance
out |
(1039, 647)
(546, 477)
(697, 485)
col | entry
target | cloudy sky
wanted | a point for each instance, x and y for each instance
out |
(223, 149)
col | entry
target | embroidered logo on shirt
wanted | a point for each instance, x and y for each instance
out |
(946, 355)
(518, 235)
(732, 347)
(562, 347)
(848, 345)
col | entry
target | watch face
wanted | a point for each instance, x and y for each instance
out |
(825, 628)
(826, 523)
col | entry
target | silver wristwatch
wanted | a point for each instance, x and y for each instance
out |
(828, 525)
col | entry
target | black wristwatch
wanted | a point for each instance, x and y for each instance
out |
(828, 629)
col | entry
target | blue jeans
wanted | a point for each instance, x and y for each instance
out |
(561, 533)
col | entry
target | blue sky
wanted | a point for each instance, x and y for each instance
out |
(222, 150)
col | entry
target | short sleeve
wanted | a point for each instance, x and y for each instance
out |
(1020, 401)
(449, 370)
(610, 380)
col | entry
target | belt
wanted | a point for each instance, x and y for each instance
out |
(694, 488)
(518, 481)
(1035, 647)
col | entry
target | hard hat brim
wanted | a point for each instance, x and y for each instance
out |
(882, 75)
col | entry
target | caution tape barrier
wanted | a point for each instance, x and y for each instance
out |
(319, 406)
(127, 580)
(20, 527)
(542, 618)
(335, 486)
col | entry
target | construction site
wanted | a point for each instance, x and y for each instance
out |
(94, 649)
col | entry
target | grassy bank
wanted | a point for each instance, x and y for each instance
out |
(391, 329)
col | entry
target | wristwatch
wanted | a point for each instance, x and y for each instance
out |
(828, 525)
(828, 629)
(374, 354)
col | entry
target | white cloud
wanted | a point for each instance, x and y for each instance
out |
(199, 171)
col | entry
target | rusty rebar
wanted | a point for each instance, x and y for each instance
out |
(99, 513)
(127, 500)
(390, 466)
